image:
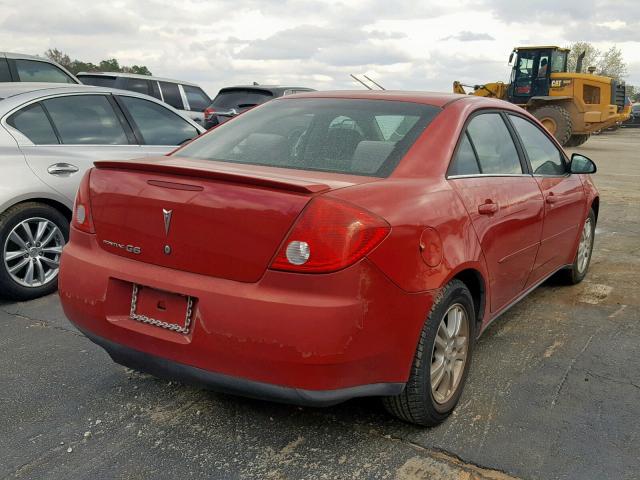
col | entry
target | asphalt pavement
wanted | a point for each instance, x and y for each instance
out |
(553, 393)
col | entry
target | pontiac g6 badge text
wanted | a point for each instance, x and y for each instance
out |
(128, 248)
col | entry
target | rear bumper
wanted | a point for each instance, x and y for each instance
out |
(310, 339)
(163, 368)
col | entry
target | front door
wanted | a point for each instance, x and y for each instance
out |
(565, 201)
(504, 204)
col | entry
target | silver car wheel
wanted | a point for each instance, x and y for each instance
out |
(584, 247)
(32, 252)
(449, 356)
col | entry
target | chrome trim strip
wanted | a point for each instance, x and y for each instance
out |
(453, 177)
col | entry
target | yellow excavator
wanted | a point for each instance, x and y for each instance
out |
(571, 105)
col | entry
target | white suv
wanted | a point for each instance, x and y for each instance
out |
(187, 97)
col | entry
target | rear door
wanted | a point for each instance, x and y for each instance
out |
(565, 201)
(157, 128)
(503, 201)
(62, 136)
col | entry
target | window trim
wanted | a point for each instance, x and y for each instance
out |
(134, 126)
(524, 164)
(546, 133)
(13, 70)
(28, 142)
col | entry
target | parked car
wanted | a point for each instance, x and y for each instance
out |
(231, 101)
(50, 134)
(186, 97)
(18, 67)
(634, 119)
(329, 245)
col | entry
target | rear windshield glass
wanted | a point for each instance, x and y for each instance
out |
(360, 137)
(240, 98)
(97, 80)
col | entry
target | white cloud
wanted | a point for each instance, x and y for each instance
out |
(404, 44)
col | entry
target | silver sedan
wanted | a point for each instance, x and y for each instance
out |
(50, 134)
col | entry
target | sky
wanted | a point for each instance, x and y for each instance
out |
(407, 45)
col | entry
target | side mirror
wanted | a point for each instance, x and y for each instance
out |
(582, 164)
(511, 57)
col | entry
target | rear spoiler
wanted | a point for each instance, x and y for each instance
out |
(215, 173)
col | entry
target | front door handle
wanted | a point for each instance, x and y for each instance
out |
(62, 169)
(551, 198)
(488, 208)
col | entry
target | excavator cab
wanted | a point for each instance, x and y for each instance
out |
(531, 73)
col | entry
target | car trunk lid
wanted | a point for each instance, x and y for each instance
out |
(201, 216)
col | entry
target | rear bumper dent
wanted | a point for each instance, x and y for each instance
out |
(164, 368)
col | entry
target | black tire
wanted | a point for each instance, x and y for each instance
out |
(9, 219)
(560, 116)
(577, 140)
(416, 404)
(574, 274)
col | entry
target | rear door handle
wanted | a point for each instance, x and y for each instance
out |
(62, 169)
(488, 208)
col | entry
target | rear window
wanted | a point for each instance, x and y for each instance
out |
(198, 100)
(360, 137)
(36, 71)
(97, 80)
(240, 99)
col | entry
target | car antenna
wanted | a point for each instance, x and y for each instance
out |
(360, 81)
(375, 83)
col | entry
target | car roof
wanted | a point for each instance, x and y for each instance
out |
(25, 56)
(15, 94)
(436, 99)
(270, 88)
(135, 75)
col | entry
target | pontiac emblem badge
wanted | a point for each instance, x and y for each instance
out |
(167, 220)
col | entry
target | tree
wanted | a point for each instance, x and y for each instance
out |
(590, 57)
(108, 65)
(609, 63)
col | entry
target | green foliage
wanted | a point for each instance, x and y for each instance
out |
(108, 65)
(609, 63)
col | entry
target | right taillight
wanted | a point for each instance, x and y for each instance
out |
(82, 218)
(330, 235)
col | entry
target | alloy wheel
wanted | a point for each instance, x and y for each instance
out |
(584, 247)
(32, 252)
(449, 356)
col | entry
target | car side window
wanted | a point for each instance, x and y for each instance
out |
(86, 120)
(33, 123)
(465, 161)
(197, 99)
(171, 94)
(497, 154)
(5, 75)
(157, 124)
(544, 156)
(35, 71)
(139, 85)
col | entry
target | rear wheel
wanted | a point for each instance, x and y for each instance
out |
(441, 361)
(557, 120)
(577, 140)
(31, 239)
(578, 270)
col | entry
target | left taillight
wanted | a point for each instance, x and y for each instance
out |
(82, 218)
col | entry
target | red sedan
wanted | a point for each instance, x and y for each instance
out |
(326, 246)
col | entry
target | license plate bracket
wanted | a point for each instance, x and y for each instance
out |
(160, 308)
